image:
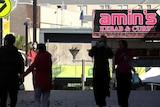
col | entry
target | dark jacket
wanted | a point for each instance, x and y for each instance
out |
(11, 65)
(101, 70)
(101, 56)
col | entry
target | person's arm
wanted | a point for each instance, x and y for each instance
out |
(127, 58)
(110, 52)
(118, 57)
(133, 69)
(31, 68)
(29, 54)
(92, 51)
(20, 63)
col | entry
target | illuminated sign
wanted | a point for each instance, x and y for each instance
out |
(125, 21)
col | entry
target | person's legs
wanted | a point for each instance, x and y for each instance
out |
(100, 95)
(126, 93)
(46, 98)
(119, 94)
(13, 93)
(37, 97)
(123, 91)
(119, 88)
(3, 97)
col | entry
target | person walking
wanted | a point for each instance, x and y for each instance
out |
(101, 73)
(11, 66)
(123, 70)
(31, 54)
(43, 76)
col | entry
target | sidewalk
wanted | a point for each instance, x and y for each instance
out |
(78, 98)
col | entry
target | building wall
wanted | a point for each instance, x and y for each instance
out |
(47, 17)
(62, 56)
(53, 18)
(91, 7)
(20, 14)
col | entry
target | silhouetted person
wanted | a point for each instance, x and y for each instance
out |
(43, 76)
(101, 73)
(11, 66)
(123, 59)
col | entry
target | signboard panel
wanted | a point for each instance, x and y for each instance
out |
(6, 27)
(118, 23)
(5, 8)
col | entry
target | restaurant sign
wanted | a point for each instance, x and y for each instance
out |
(125, 21)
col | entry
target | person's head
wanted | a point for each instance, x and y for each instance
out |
(41, 47)
(103, 39)
(34, 45)
(123, 44)
(9, 39)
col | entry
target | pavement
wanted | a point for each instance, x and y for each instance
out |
(79, 98)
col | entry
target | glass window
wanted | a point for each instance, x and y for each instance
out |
(101, 6)
(84, 8)
(148, 6)
(79, 8)
(119, 6)
(64, 6)
(125, 6)
(139, 7)
(107, 7)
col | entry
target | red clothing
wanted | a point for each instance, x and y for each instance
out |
(31, 54)
(123, 61)
(43, 70)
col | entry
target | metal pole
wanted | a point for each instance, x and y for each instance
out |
(83, 74)
(82, 22)
(1, 31)
(34, 19)
(26, 41)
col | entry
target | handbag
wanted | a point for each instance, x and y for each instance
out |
(135, 78)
